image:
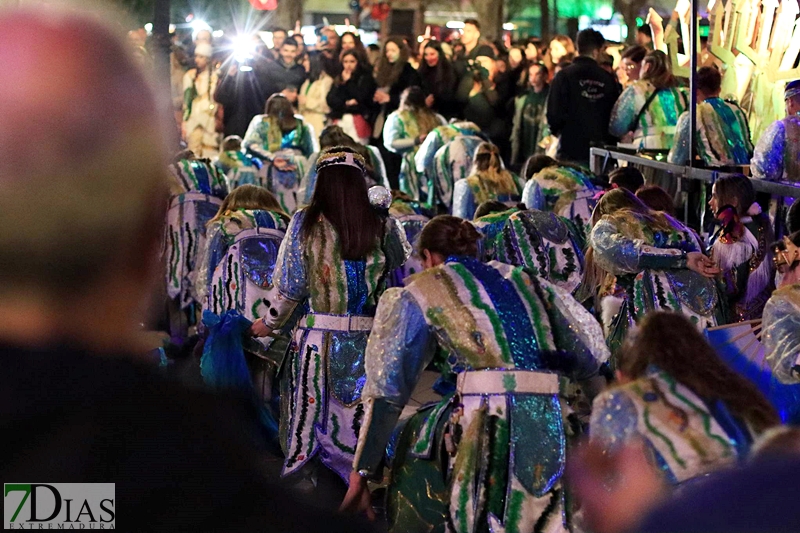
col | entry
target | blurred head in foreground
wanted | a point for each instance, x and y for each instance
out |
(82, 179)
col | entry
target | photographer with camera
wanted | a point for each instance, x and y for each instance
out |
(482, 103)
(244, 86)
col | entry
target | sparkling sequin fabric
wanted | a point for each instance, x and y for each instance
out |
(326, 373)
(565, 191)
(400, 134)
(781, 333)
(485, 316)
(723, 135)
(656, 126)
(452, 162)
(777, 154)
(440, 136)
(469, 193)
(650, 266)
(687, 439)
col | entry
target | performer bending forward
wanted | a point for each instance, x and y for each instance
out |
(490, 456)
(334, 261)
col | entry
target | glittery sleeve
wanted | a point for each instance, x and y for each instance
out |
(576, 332)
(781, 336)
(767, 162)
(253, 138)
(679, 154)
(463, 200)
(619, 254)
(614, 420)
(309, 143)
(623, 113)
(532, 196)
(399, 348)
(396, 245)
(290, 277)
(423, 159)
(395, 138)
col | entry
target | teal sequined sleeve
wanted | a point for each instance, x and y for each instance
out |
(399, 348)
(767, 163)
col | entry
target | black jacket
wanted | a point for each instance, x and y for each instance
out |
(360, 87)
(408, 78)
(281, 76)
(181, 459)
(579, 108)
(243, 96)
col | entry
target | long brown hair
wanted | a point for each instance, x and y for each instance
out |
(738, 187)
(413, 100)
(249, 197)
(672, 343)
(386, 74)
(341, 197)
(615, 201)
(659, 70)
(279, 107)
(448, 235)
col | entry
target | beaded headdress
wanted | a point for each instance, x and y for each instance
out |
(786, 253)
(792, 89)
(335, 156)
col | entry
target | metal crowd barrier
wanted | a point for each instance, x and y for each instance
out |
(600, 158)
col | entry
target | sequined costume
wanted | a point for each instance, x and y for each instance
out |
(724, 136)
(437, 138)
(655, 128)
(412, 217)
(324, 373)
(235, 273)
(378, 176)
(650, 265)
(483, 186)
(198, 189)
(199, 111)
(451, 163)
(239, 168)
(685, 436)
(401, 134)
(747, 269)
(265, 138)
(566, 191)
(491, 456)
(777, 154)
(544, 244)
(781, 333)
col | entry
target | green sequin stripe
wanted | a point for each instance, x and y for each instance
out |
(175, 256)
(654, 431)
(704, 415)
(317, 401)
(188, 169)
(523, 243)
(374, 268)
(514, 511)
(254, 308)
(497, 325)
(335, 437)
(426, 431)
(463, 320)
(541, 325)
(498, 466)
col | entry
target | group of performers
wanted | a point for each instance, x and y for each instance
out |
(523, 298)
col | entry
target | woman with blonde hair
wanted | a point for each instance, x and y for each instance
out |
(639, 261)
(285, 141)
(561, 48)
(648, 109)
(404, 132)
(694, 414)
(489, 180)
